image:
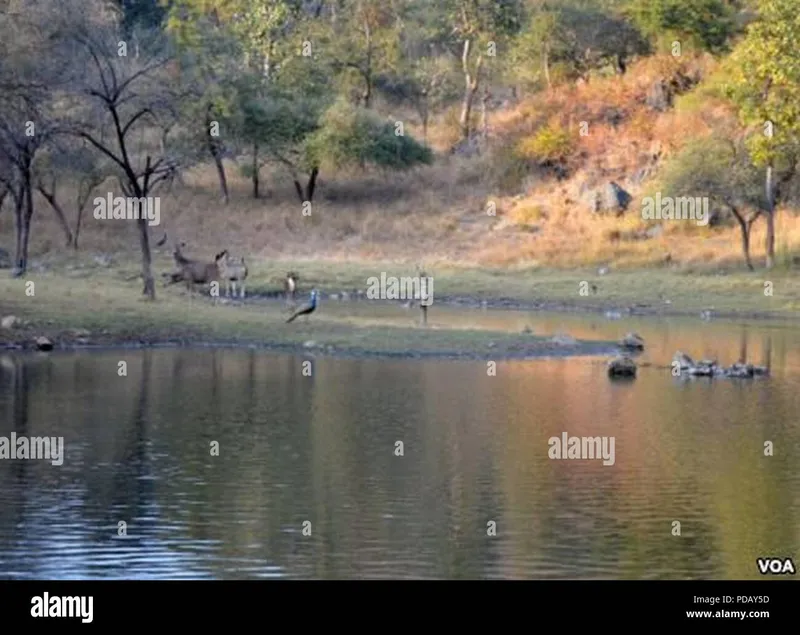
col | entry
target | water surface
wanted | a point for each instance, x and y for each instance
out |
(312, 443)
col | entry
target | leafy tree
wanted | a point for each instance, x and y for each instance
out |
(722, 170)
(481, 26)
(260, 27)
(578, 36)
(209, 62)
(351, 136)
(424, 76)
(363, 44)
(142, 14)
(707, 24)
(270, 39)
(765, 85)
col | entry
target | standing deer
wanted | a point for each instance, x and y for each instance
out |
(194, 272)
(290, 288)
(233, 271)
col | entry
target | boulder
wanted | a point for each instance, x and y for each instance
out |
(683, 361)
(740, 371)
(610, 198)
(622, 366)
(44, 344)
(632, 341)
(706, 368)
(744, 371)
(659, 96)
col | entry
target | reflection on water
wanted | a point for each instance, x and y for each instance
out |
(323, 449)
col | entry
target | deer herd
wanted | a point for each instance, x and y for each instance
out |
(223, 269)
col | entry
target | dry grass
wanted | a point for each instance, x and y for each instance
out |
(438, 214)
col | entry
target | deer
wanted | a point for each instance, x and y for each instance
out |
(233, 271)
(290, 288)
(194, 272)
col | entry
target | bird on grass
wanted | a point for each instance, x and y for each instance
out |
(290, 287)
(306, 309)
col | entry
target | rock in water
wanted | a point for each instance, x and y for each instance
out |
(44, 344)
(704, 368)
(622, 366)
(741, 371)
(632, 341)
(683, 361)
(562, 339)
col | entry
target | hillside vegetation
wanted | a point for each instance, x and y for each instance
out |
(466, 132)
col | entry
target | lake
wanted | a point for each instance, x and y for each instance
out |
(241, 464)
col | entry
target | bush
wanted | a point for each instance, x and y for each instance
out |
(550, 144)
(352, 136)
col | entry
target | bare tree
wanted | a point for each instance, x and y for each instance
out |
(69, 159)
(25, 128)
(126, 102)
(29, 91)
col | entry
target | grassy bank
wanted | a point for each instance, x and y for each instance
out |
(98, 310)
(657, 291)
(78, 295)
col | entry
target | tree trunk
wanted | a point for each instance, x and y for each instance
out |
(147, 269)
(306, 194)
(216, 155)
(223, 181)
(24, 216)
(83, 198)
(770, 237)
(50, 197)
(255, 170)
(367, 95)
(485, 114)
(77, 228)
(471, 80)
(546, 65)
(299, 189)
(744, 226)
(424, 114)
(19, 224)
(312, 184)
(621, 66)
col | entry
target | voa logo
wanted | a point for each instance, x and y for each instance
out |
(775, 566)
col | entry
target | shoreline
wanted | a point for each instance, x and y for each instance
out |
(533, 351)
(103, 309)
(488, 345)
(566, 308)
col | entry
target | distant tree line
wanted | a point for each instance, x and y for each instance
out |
(138, 90)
